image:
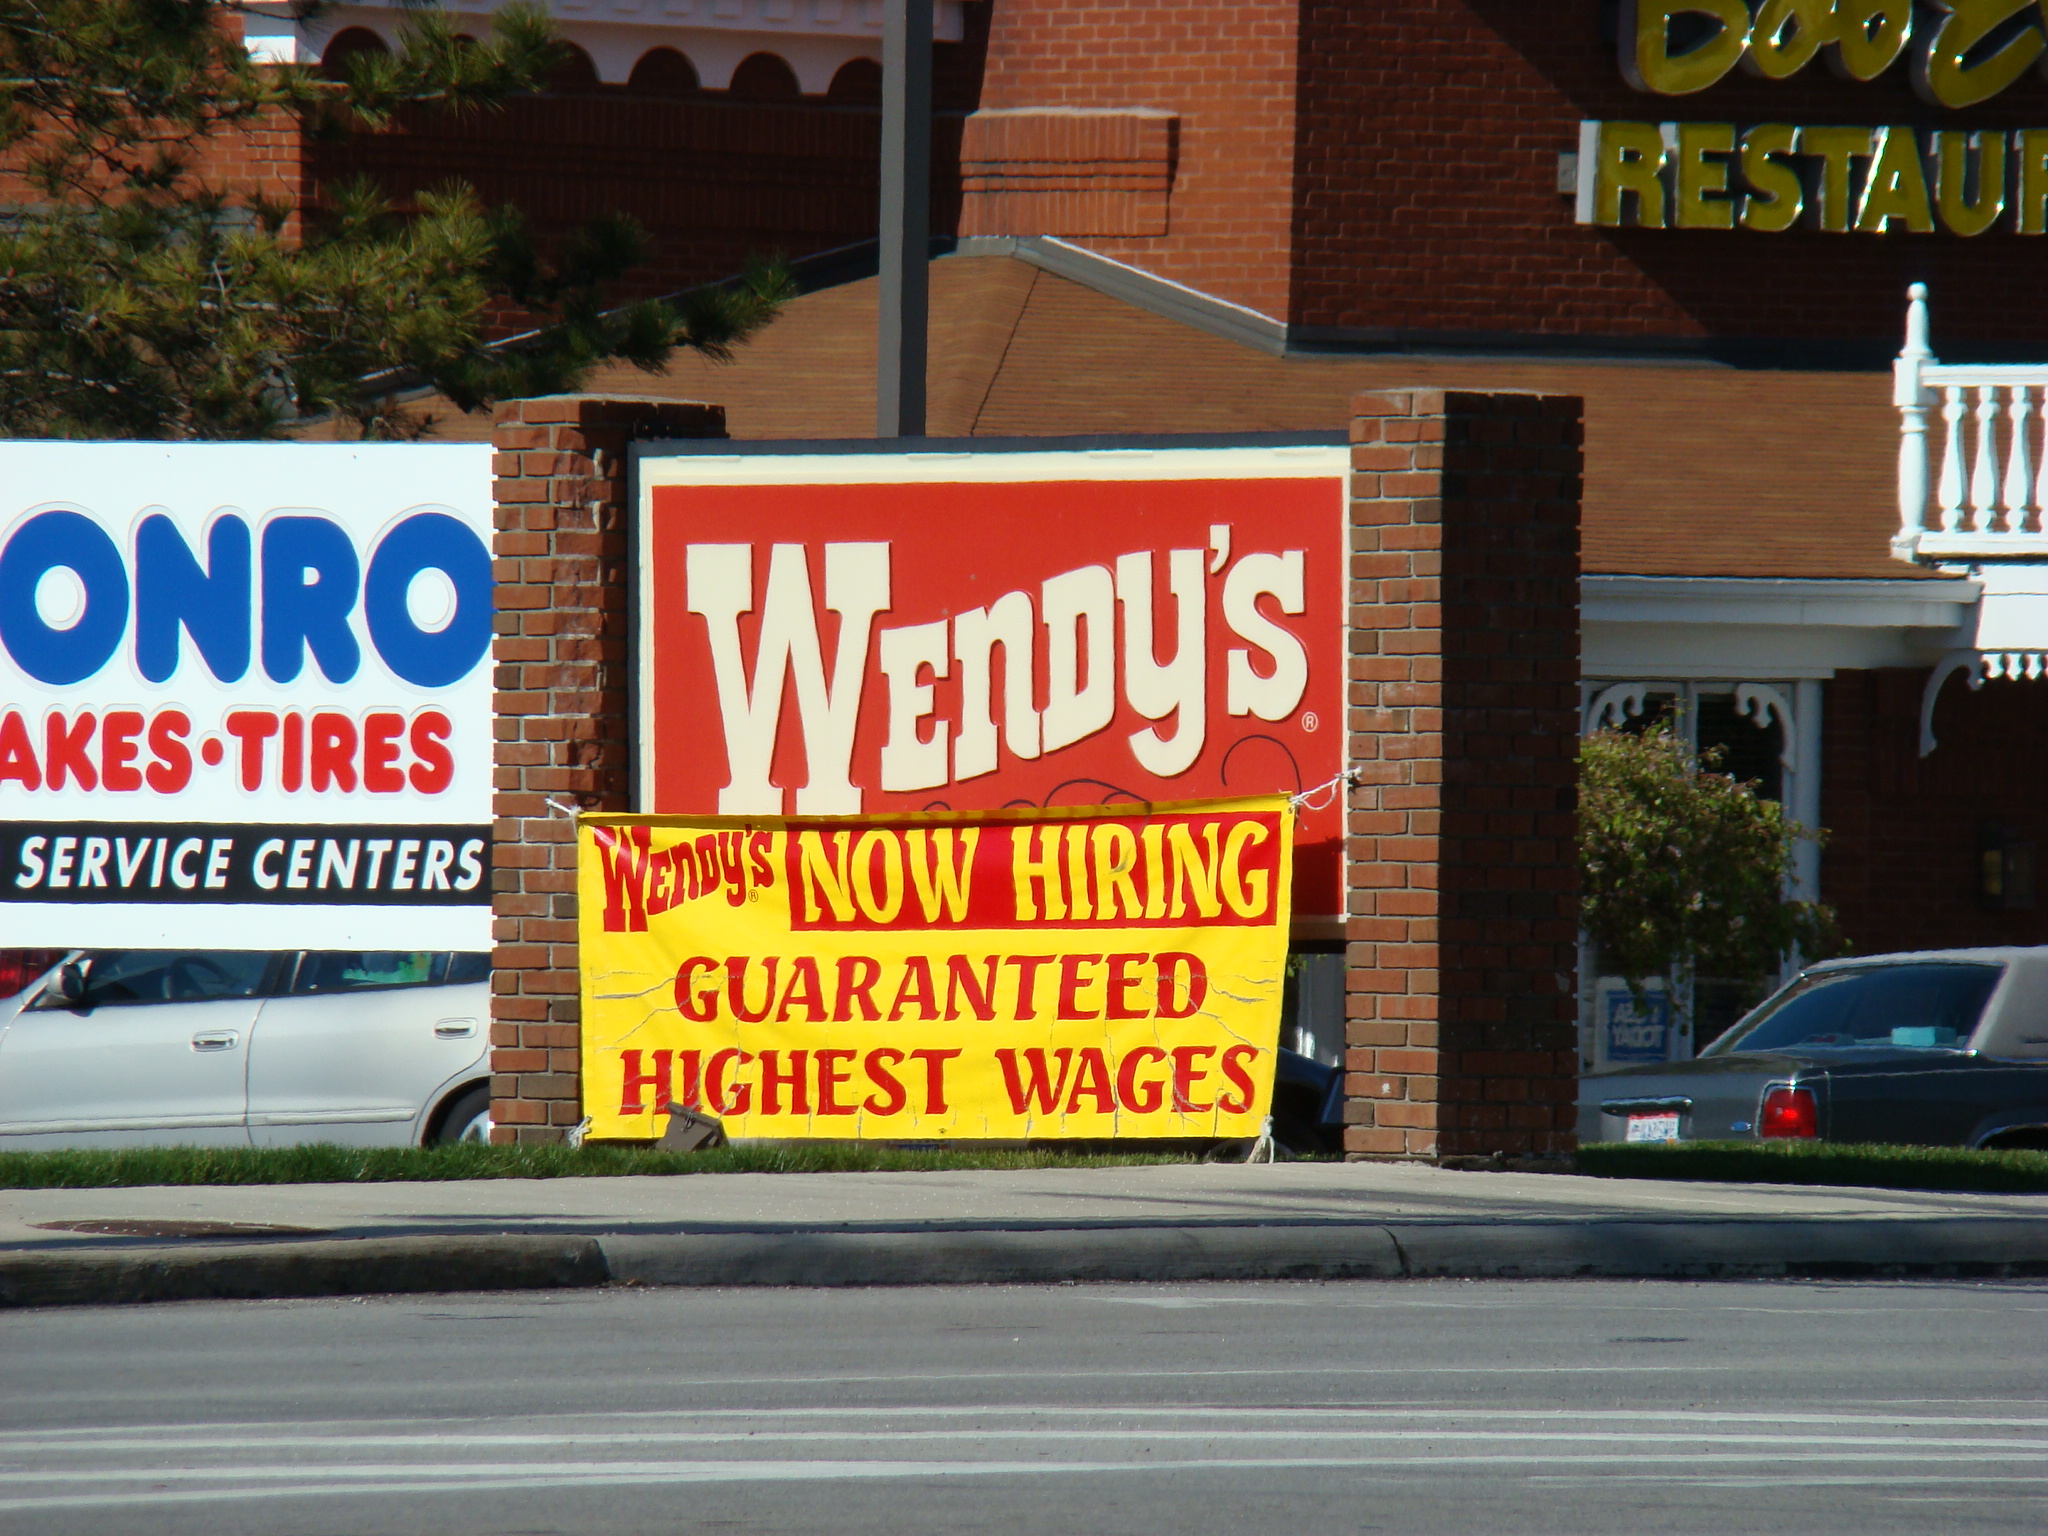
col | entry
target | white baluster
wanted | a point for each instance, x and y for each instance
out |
(1951, 491)
(2041, 478)
(2019, 464)
(1912, 398)
(1984, 477)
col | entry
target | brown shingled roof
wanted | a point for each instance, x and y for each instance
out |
(1691, 470)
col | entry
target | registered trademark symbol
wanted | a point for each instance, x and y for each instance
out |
(1309, 721)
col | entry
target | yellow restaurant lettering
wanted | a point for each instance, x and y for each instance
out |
(1962, 52)
(1838, 180)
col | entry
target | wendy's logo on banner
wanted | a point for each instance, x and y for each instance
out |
(871, 633)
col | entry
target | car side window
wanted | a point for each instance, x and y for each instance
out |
(468, 966)
(115, 978)
(322, 971)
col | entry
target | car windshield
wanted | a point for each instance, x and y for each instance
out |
(1927, 1007)
(113, 978)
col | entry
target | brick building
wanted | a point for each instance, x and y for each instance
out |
(1237, 216)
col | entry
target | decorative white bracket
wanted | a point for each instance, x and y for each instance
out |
(1760, 701)
(2015, 666)
(1971, 662)
(1614, 707)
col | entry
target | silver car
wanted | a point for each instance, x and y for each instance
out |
(1931, 1048)
(238, 1048)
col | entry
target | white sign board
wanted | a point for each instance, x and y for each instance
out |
(245, 695)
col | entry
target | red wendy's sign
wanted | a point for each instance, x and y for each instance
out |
(878, 632)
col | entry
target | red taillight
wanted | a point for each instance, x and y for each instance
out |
(1789, 1112)
(19, 967)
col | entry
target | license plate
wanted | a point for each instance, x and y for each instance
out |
(1652, 1128)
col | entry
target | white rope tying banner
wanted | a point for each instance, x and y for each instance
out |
(1308, 799)
(1265, 1149)
(570, 811)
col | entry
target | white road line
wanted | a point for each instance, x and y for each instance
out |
(1809, 1480)
(977, 1436)
(864, 1379)
(99, 1438)
(463, 1479)
(1706, 1308)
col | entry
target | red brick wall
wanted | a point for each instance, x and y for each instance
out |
(1464, 725)
(714, 182)
(1227, 68)
(1067, 172)
(561, 491)
(263, 160)
(266, 161)
(1901, 866)
(1427, 168)
(715, 179)
(1388, 166)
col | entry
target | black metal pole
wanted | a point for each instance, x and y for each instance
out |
(906, 216)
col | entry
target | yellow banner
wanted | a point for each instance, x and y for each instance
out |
(996, 975)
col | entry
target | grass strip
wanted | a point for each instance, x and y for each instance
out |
(387, 1165)
(1821, 1162)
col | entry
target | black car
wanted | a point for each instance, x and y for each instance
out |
(1945, 1048)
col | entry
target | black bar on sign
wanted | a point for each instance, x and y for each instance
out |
(92, 862)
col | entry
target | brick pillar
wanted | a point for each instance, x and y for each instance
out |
(562, 676)
(1464, 719)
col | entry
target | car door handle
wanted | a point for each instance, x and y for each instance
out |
(219, 1040)
(455, 1029)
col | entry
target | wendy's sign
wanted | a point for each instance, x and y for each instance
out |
(829, 629)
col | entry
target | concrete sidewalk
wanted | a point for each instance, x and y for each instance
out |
(1180, 1222)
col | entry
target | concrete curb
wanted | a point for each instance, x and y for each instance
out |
(1846, 1248)
(1840, 1247)
(250, 1271)
(1000, 1256)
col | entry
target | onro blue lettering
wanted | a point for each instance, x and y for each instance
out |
(311, 582)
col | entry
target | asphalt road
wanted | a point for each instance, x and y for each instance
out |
(1489, 1407)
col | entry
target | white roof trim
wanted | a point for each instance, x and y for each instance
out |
(1708, 628)
(1873, 604)
(1131, 285)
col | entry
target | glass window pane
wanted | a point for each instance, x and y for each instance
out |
(358, 970)
(1750, 753)
(117, 978)
(469, 965)
(1928, 1007)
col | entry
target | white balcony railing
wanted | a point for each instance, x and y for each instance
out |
(1973, 476)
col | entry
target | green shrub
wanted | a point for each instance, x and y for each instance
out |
(1683, 870)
